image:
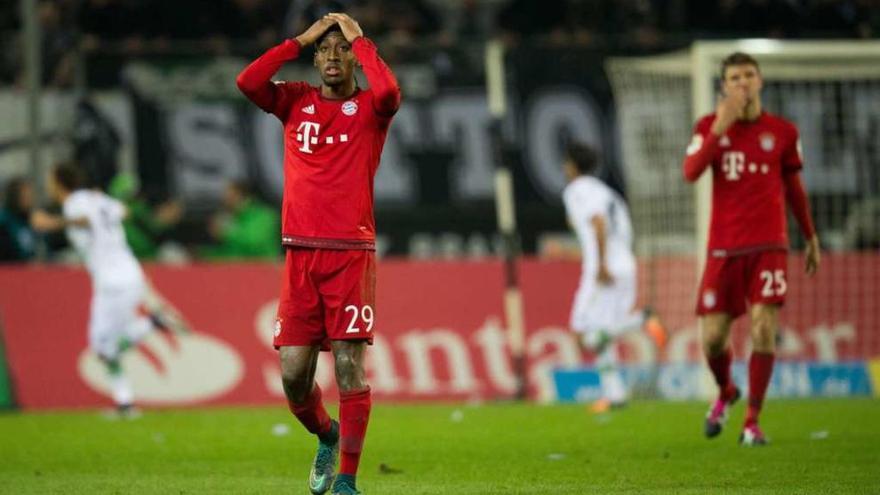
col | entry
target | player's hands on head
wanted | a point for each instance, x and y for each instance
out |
(730, 107)
(350, 28)
(813, 255)
(315, 31)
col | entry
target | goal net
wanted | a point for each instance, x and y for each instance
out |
(831, 90)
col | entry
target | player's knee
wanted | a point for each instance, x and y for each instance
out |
(763, 335)
(349, 372)
(296, 384)
(345, 366)
(714, 334)
(714, 342)
(713, 347)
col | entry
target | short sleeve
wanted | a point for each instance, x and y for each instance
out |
(115, 209)
(792, 155)
(583, 203)
(75, 208)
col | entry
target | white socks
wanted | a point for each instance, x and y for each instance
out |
(613, 387)
(121, 388)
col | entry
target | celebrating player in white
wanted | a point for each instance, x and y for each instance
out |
(93, 222)
(603, 308)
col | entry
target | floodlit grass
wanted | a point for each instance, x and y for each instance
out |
(818, 446)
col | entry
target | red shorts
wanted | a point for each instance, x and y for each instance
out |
(729, 282)
(326, 294)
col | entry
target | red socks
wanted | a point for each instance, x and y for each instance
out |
(720, 366)
(354, 414)
(311, 413)
(760, 370)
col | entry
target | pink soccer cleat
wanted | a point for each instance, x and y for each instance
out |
(717, 415)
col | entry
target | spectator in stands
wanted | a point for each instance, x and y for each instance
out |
(18, 242)
(257, 20)
(145, 227)
(769, 18)
(837, 18)
(96, 144)
(303, 13)
(467, 19)
(58, 41)
(112, 24)
(869, 18)
(412, 19)
(529, 18)
(247, 229)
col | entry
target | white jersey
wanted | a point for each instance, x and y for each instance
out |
(102, 243)
(586, 197)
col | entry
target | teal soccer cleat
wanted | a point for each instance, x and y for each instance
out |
(324, 468)
(344, 487)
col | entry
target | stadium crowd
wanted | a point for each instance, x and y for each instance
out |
(134, 27)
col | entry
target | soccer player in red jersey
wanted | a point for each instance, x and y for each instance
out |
(333, 138)
(755, 158)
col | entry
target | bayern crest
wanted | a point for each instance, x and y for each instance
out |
(709, 299)
(350, 107)
(768, 141)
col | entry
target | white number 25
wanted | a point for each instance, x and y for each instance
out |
(774, 283)
(364, 313)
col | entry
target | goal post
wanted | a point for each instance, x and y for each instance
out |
(505, 208)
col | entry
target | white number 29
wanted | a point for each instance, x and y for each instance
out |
(365, 314)
(774, 283)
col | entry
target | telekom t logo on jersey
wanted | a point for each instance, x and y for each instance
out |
(307, 134)
(733, 163)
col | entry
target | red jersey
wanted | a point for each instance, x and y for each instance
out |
(750, 164)
(331, 147)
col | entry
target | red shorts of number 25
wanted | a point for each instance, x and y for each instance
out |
(728, 282)
(326, 295)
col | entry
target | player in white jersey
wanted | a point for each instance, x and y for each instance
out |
(604, 304)
(93, 222)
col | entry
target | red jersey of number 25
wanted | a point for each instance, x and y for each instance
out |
(331, 147)
(753, 165)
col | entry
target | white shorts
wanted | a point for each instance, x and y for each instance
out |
(599, 307)
(115, 319)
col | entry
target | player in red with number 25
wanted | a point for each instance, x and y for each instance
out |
(333, 138)
(755, 158)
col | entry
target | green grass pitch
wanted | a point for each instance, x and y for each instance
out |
(818, 446)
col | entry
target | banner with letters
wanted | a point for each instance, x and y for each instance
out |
(439, 332)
